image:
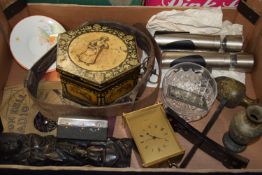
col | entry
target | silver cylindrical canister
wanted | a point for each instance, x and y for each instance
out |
(233, 43)
(187, 41)
(234, 61)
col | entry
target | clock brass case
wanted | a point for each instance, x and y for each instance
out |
(97, 64)
(153, 135)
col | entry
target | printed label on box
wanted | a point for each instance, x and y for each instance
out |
(193, 3)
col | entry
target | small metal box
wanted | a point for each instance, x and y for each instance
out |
(82, 129)
(97, 64)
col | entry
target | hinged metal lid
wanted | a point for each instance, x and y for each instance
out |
(81, 122)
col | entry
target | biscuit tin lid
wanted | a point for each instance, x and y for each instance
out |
(96, 53)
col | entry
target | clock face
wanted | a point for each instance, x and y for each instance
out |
(153, 135)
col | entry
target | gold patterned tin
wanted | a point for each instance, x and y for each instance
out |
(97, 64)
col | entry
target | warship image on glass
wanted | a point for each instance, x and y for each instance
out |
(97, 64)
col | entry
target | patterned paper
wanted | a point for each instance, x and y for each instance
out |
(193, 3)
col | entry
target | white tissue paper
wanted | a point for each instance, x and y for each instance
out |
(205, 21)
(195, 21)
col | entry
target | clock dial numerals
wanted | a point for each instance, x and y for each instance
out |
(153, 138)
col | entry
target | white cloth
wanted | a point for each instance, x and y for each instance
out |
(196, 21)
(205, 21)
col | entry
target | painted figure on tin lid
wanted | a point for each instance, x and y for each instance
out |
(94, 48)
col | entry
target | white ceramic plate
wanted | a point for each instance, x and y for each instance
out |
(30, 39)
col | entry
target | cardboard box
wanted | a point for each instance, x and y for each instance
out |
(12, 74)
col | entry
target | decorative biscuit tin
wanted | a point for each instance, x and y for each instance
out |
(97, 64)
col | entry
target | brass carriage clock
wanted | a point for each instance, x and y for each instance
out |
(153, 135)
